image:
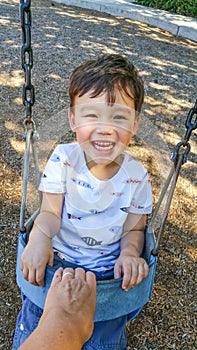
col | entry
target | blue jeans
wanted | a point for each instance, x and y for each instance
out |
(106, 335)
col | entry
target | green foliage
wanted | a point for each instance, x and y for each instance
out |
(182, 7)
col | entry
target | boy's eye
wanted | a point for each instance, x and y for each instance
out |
(93, 116)
(119, 117)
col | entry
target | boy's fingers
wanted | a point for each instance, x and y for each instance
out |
(40, 277)
(127, 273)
(134, 275)
(25, 272)
(141, 274)
(146, 268)
(32, 277)
(51, 258)
(117, 271)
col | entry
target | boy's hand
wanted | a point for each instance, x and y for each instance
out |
(37, 254)
(133, 269)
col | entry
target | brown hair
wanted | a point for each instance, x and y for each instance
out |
(104, 75)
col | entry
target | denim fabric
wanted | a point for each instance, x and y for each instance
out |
(27, 321)
(106, 334)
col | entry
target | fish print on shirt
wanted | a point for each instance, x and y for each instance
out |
(125, 209)
(130, 180)
(91, 241)
(74, 247)
(55, 158)
(135, 205)
(95, 211)
(71, 216)
(117, 194)
(82, 183)
(115, 229)
(103, 253)
(66, 163)
(103, 267)
(75, 261)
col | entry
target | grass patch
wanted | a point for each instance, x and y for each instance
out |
(181, 7)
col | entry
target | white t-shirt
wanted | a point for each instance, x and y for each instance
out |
(94, 211)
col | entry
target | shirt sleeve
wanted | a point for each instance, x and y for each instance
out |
(141, 202)
(54, 176)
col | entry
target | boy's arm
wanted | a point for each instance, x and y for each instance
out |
(129, 264)
(39, 252)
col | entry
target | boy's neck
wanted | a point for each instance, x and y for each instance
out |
(105, 171)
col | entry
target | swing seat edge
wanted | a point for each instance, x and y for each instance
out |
(112, 300)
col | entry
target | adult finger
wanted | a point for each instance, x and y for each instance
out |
(80, 273)
(57, 277)
(68, 273)
(91, 279)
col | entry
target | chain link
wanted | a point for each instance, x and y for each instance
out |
(188, 124)
(28, 93)
(184, 144)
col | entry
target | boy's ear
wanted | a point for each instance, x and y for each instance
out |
(71, 118)
(136, 125)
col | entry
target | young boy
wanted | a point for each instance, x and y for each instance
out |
(95, 197)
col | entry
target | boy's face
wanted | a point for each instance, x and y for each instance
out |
(103, 130)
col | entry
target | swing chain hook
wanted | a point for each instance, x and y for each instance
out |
(190, 126)
(28, 93)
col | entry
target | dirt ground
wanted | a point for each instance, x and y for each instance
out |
(62, 38)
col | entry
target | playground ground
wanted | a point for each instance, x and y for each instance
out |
(62, 38)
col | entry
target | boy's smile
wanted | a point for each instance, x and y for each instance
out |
(104, 146)
(103, 130)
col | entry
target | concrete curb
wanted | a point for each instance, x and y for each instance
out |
(176, 24)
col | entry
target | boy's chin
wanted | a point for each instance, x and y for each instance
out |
(102, 160)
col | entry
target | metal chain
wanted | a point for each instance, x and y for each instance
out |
(28, 93)
(178, 158)
(28, 97)
(190, 126)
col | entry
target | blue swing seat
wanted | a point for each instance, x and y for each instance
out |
(112, 300)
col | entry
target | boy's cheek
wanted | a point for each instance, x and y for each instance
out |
(83, 133)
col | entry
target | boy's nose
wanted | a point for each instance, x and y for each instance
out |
(105, 128)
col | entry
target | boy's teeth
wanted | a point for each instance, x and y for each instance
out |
(103, 145)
